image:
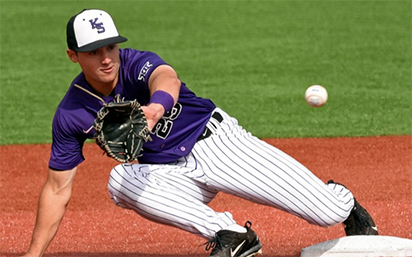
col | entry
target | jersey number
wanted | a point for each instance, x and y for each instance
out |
(165, 124)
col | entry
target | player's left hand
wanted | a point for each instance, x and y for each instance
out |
(121, 129)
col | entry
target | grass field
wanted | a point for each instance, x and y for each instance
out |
(253, 58)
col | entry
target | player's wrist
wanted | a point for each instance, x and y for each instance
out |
(163, 98)
(156, 109)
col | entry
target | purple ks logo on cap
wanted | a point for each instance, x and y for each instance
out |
(98, 26)
(82, 27)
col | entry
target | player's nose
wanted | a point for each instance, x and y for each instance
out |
(105, 56)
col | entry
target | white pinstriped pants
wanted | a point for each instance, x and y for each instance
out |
(233, 161)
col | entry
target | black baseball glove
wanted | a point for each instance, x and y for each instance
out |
(121, 129)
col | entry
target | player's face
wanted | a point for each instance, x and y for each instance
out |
(101, 67)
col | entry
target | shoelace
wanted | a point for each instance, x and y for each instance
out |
(223, 238)
(218, 241)
(212, 243)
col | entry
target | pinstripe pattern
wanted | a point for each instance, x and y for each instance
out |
(157, 193)
(232, 161)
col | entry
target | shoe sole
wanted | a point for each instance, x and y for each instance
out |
(259, 252)
(255, 254)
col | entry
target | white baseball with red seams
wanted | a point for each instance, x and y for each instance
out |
(316, 95)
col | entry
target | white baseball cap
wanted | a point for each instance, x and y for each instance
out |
(91, 29)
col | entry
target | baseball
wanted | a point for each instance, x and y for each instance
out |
(316, 95)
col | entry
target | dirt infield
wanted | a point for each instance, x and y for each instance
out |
(377, 169)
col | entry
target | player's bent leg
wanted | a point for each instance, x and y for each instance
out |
(257, 171)
(167, 198)
(280, 182)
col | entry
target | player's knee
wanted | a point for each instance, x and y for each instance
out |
(114, 185)
(126, 183)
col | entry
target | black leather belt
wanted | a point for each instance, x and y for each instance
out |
(207, 132)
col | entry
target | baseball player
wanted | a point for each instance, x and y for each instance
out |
(197, 151)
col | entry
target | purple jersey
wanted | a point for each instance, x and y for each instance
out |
(173, 136)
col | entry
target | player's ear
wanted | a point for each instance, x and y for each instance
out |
(72, 55)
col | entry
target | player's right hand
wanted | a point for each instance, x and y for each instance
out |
(153, 112)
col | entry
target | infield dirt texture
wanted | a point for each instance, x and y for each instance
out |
(254, 59)
(376, 169)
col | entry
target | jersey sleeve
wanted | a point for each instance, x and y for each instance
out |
(140, 65)
(66, 149)
(149, 63)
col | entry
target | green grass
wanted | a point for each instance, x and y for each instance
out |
(254, 59)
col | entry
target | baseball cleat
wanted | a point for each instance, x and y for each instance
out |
(228, 243)
(360, 222)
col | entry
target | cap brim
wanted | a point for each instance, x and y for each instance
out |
(101, 43)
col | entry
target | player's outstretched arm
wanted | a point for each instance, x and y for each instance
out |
(163, 79)
(53, 201)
